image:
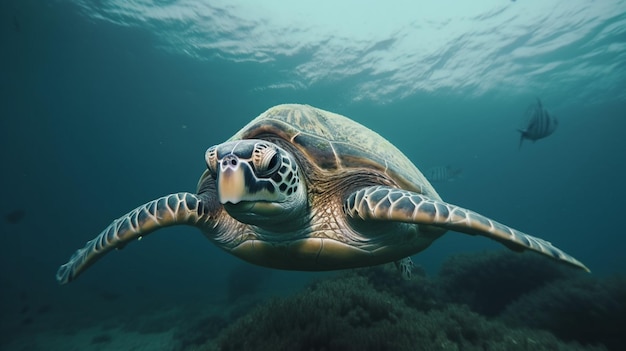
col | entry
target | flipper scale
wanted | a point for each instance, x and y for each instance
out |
(179, 208)
(393, 204)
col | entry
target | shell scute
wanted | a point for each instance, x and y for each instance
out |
(319, 150)
(334, 142)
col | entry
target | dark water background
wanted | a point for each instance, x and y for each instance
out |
(97, 118)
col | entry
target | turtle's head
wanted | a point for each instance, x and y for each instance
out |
(257, 181)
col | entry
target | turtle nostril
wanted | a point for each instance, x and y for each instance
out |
(230, 161)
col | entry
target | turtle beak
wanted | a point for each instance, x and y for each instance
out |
(231, 183)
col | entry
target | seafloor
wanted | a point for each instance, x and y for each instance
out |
(490, 301)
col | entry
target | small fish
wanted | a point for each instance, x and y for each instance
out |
(442, 174)
(14, 216)
(43, 309)
(16, 24)
(109, 296)
(539, 123)
(245, 280)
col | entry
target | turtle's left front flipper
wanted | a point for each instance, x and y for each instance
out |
(392, 204)
(180, 208)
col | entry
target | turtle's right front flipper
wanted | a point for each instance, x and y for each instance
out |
(174, 209)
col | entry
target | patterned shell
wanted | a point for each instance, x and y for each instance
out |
(336, 143)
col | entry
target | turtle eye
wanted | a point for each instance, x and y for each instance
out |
(211, 160)
(268, 163)
(266, 159)
(273, 163)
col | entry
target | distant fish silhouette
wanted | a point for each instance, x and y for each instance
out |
(109, 296)
(14, 216)
(246, 279)
(16, 24)
(43, 309)
(539, 123)
(442, 174)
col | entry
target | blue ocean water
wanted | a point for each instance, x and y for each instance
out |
(108, 104)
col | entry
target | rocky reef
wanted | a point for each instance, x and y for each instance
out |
(491, 301)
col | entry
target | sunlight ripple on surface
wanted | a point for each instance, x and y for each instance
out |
(396, 51)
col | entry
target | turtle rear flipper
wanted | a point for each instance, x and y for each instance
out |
(393, 204)
(405, 267)
(180, 208)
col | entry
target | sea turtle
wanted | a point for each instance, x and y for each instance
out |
(300, 188)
